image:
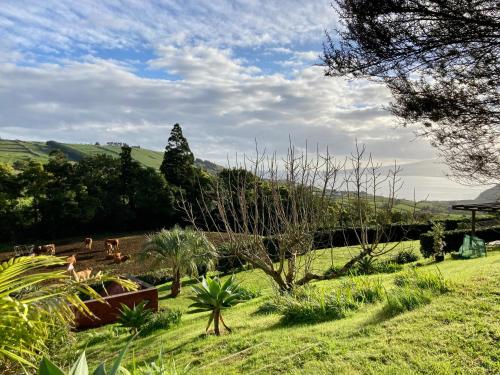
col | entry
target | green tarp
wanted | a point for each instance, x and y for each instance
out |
(472, 247)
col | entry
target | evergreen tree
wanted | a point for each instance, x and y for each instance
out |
(178, 160)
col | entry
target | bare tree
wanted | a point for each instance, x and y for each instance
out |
(287, 201)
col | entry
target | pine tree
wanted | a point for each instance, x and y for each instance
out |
(178, 160)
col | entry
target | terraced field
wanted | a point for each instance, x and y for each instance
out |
(16, 150)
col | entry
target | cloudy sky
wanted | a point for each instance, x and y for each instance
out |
(229, 72)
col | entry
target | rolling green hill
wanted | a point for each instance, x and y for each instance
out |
(16, 150)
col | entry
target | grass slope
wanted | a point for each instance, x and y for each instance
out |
(14, 150)
(455, 333)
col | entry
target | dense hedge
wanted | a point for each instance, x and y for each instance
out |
(395, 232)
(324, 239)
(227, 262)
(454, 238)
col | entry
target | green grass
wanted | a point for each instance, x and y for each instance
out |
(13, 150)
(456, 332)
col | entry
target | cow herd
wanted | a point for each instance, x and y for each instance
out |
(111, 250)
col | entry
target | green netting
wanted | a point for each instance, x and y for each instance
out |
(472, 247)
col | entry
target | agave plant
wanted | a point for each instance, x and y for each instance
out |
(213, 296)
(80, 367)
(182, 250)
(31, 300)
(134, 318)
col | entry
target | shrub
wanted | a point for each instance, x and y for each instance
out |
(309, 305)
(227, 262)
(248, 293)
(364, 290)
(163, 319)
(268, 307)
(454, 238)
(156, 277)
(405, 256)
(387, 266)
(404, 299)
(134, 318)
(434, 282)
(370, 266)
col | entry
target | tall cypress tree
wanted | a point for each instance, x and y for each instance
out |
(178, 160)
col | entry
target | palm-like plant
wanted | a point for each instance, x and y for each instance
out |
(134, 318)
(213, 296)
(32, 299)
(183, 251)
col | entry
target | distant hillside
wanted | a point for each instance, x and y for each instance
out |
(15, 150)
(427, 168)
(490, 195)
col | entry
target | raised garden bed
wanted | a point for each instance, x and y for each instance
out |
(107, 312)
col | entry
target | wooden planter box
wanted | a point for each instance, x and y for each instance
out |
(107, 312)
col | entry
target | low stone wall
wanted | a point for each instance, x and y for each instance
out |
(107, 312)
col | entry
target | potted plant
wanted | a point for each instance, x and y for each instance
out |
(438, 241)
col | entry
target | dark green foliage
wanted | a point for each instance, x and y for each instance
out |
(67, 151)
(227, 262)
(405, 256)
(178, 160)
(369, 266)
(92, 195)
(156, 277)
(442, 80)
(134, 318)
(453, 239)
(163, 319)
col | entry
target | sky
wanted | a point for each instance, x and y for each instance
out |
(232, 73)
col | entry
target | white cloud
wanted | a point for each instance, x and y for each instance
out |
(67, 26)
(221, 104)
(221, 98)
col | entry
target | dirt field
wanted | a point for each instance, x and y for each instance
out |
(96, 258)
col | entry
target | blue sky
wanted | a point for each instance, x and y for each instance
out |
(229, 72)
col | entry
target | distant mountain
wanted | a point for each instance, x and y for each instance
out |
(427, 168)
(489, 195)
(12, 151)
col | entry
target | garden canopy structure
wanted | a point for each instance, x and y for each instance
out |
(474, 207)
(473, 246)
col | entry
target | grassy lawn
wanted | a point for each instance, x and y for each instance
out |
(456, 333)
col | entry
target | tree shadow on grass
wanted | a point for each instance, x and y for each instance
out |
(167, 287)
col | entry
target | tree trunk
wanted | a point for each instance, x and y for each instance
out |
(176, 284)
(216, 322)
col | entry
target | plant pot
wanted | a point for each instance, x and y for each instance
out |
(439, 257)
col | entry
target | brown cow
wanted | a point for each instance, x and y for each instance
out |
(71, 260)
(49, 249)
(109, 251)
(82, 275)
(119, 258)
(114, 242)
(87, 243)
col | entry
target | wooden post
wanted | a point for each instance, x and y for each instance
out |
(473, 223)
